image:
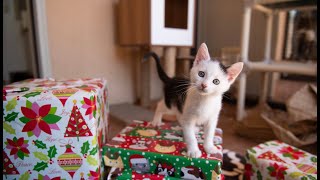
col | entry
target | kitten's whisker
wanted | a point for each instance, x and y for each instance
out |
(226, 96)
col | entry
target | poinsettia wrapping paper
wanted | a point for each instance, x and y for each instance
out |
(54, 129)
(142, 151)
(278, 160)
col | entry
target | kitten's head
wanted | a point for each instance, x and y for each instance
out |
(210, 76)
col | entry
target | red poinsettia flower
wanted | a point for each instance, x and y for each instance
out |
(38, 119)
(94, 175)
(90, 105)
(291, 153)
(248, 171)
(18, 147)
(276, 170)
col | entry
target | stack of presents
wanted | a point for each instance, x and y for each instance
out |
(57, 129)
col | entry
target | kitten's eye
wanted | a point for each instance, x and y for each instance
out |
(201, 73)
(216, 81)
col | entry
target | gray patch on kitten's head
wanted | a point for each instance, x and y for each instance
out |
(213, 71)
(217, 78)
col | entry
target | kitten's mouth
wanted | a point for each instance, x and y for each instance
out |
(202, 91)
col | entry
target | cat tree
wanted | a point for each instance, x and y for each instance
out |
(150, 24)
(270, 8)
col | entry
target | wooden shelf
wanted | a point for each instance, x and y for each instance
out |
(285, 66)
(285, 4)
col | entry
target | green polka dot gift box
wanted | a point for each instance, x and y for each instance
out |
(141, 151)
(54, 129)
(278, 160)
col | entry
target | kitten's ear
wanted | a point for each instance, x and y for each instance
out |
(233, 71)
(202, 54)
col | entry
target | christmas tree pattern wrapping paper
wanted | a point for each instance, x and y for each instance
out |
(141, 151)
(278, 160)
(54, 129)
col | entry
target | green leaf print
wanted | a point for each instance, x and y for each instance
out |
(85, 147)
(29, 104)
(7, 127)
(20, 155)
(53, 110)
(24, 120)
(30, 133)
(11, 104)
(94, 140)
(40, 166)
(51, 118)
(295, 174)
(25, 176)
(259, 176)
(52, 151)
(40, 144)
(253, 159)
(40, 177)
(311, 177)
(32, 94)
(313, 159)
(252, 150)
(94, 151)
(41, 156)
(11, 117)
(94, 113)
(92, 161)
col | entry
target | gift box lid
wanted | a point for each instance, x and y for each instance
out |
(270, 156)
(141, 143)
(59, 88)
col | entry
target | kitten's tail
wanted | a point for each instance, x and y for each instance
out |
(163, 75)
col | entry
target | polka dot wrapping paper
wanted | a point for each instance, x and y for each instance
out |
(54, 129)
(141, 151)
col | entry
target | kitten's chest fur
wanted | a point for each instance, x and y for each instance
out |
(202, 108)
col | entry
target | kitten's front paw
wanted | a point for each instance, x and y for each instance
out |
(156, 123)
(210, 148)
(194, 153)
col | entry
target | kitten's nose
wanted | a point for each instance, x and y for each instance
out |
(204, 86)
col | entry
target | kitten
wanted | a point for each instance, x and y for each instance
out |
(197, 101)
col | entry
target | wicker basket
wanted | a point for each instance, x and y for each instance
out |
(286, 135)
(303, 104)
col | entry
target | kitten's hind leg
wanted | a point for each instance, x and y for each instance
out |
(160, 110)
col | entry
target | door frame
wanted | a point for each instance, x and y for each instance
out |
(41, 36)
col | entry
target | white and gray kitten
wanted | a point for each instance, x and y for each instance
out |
(196, 101)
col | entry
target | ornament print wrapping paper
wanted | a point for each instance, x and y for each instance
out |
(278, 160)
(141, 151)
(54, 129)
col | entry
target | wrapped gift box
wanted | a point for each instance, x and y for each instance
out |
(278, 160)
(54, 128)
(142, 150)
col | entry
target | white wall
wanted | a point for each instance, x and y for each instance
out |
(82, 43)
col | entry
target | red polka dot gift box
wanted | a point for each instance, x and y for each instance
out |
(141, 151)
(54, 129)
(278, 160)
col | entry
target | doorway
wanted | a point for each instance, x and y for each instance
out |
(19, 48)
